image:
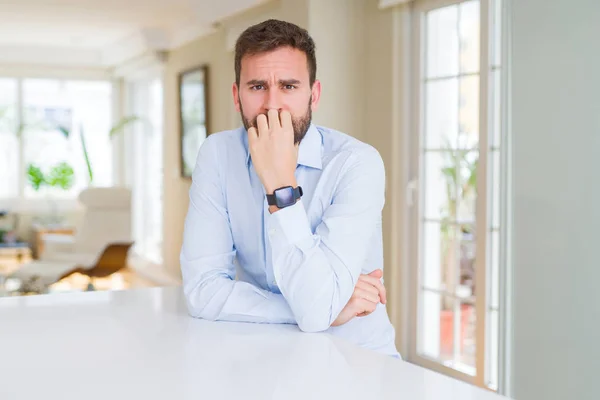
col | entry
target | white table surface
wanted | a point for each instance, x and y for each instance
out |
(141, 344)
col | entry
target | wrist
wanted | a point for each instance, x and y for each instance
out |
(271, 187)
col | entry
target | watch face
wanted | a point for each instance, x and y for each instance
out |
(285, 196)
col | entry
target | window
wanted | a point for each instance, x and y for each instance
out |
(457, 159)
(31, 112)
(84, 109)
(144, 143)
(9, 144)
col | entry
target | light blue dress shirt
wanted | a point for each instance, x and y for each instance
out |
(300, 264)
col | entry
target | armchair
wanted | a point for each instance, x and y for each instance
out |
(99, 246)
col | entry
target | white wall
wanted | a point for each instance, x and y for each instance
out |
(341, 63)
(556, 131)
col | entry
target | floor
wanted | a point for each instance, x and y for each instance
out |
(126, 279)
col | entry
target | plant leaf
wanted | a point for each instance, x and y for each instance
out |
(61, 175)
(122, 124)
(64, 131)
(472, 180)
(86, 156)
(35, 176)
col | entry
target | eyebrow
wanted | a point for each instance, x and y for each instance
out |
(256, 82)
(282, 82)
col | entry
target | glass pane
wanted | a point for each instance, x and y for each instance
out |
(9, 146)
(467, 343)
(58, 115)
(496, 109)
(466, 288)
(441, 114)
(147, 168)
(469, 36)
(469, 112)
(432, 255)
(495, 200)
(492, 362)
(154, 175)
(464, 163)
(92, 107)
(440, 256)
(8, 104)
(442, 42)
(440, 186)
(138, 97)
(497, 32)
(447, 331)
(430, 335)
(494, 300)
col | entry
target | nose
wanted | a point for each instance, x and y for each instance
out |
(273, 100)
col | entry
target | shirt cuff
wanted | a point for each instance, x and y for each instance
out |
(288, 226)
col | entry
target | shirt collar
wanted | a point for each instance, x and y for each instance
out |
(309, 152)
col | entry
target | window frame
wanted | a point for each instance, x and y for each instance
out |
(483, 213)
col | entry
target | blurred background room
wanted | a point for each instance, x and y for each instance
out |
(486, 114)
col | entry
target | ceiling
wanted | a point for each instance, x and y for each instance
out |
(104, 32)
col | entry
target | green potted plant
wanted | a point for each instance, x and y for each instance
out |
(460, 178)
(61, 176)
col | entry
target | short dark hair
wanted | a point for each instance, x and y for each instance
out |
(273, 34)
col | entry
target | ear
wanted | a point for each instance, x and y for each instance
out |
(236, 96)
(316, 95)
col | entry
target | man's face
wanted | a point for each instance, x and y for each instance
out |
(277, 80)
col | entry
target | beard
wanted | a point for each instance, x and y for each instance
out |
(300, 124)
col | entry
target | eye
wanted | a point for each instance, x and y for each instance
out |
(290, 87)
(257, 87)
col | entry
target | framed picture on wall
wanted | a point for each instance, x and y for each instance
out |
(193, 114)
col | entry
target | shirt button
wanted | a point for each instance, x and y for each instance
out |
(272, 231)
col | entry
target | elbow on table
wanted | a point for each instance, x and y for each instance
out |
(198, 310)
(317, 316)
(313, 322)
(198, 305)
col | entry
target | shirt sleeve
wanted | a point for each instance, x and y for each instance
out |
(317, 271)
(207, 255)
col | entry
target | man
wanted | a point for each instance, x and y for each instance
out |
(295, 207)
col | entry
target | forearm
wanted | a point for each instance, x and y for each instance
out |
(214, 295)
(317, 272)
(316, 290)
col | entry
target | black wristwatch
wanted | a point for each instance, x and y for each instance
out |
(284, 196)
